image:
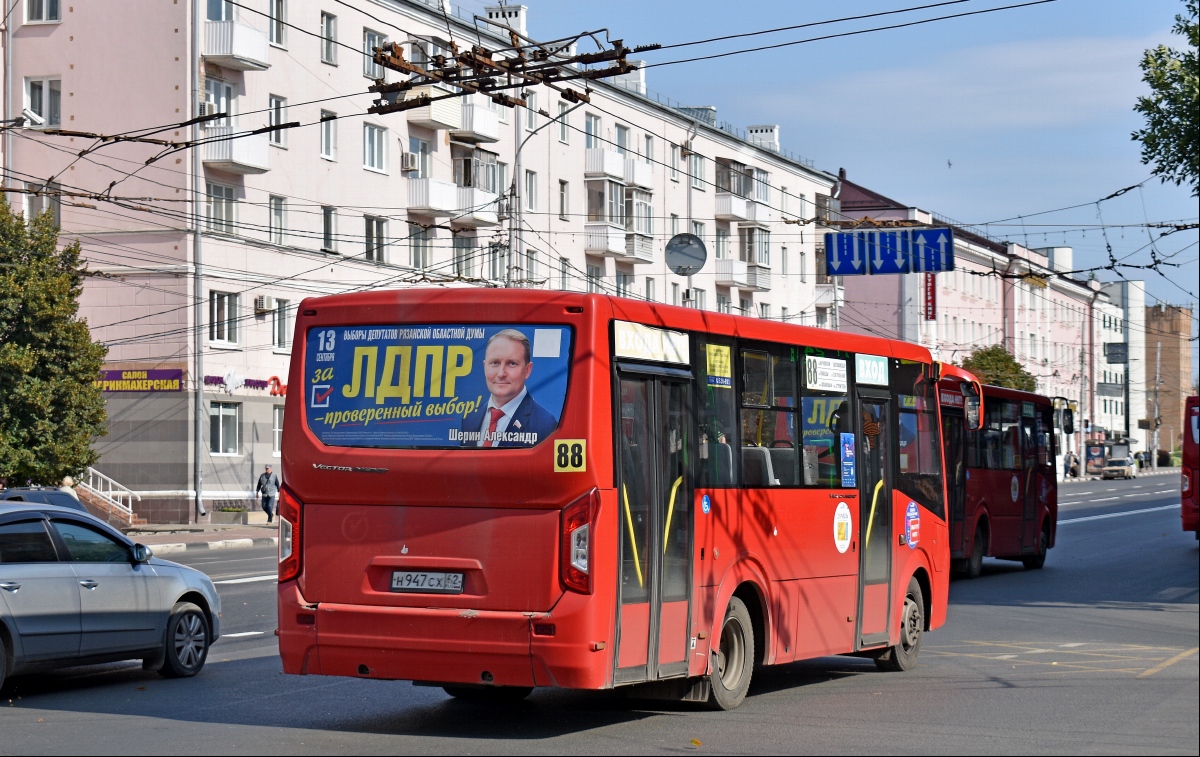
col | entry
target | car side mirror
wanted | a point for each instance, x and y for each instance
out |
(141, 553)
(1068, 421)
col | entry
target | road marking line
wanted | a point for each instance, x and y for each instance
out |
(1104, 499)
(1005, 657)
(1168, 663)
(254, 579)
(1076, 644)
(1118, 515)
(240, 635)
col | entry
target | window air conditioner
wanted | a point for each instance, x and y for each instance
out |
(410, 161)
(264, 304)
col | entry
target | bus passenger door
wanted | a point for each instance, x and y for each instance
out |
(876, 480)
(655, 514)
(1030, 470)
(953, 438)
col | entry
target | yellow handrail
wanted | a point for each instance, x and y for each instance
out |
(637, 563)
(671, 511)
(871, 519)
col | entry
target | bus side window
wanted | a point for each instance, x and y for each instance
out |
(1045, 436)
(716, 413)
(769, 433)
(825, 418)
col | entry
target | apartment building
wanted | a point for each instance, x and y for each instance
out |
(1169, 356)
(199, 255)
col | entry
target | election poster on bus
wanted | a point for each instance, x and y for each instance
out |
(436, 386)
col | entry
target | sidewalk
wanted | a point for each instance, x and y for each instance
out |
(171, 539)
(1142, 473)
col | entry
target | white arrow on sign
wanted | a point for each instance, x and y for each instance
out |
(898, 237)
(874, 237)
(918, 252)
(856, 261)
(942, 244)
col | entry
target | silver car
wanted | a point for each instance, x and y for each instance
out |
(75, 591)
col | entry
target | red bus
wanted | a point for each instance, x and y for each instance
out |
(1003, 491)
(1190, 474)
(496, 490)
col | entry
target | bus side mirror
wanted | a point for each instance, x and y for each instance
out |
(1068, 421)
(971, 407)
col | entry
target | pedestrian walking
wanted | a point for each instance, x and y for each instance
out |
(268, 487)
(68, 486)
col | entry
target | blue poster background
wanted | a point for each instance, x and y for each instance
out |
(417, 385)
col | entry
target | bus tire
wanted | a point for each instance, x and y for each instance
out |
(733, 663)
(978, 547)
(904, 655)
(495, 694)
(1037, 559)
(3, 661)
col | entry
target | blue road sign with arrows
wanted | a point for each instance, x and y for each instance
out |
(889, 251)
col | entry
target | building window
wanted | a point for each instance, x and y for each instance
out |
(564, 128)
(218, 10)
(220, 208)
(624, 283)
(764, 310)
(700, 299)
(374, 146)
(595, 275)
(762, 185)
(45, 10)
(722, 244)
(376, 239)
(329, 39)
(530, 190)
(674, 294)
(531, 110)
(697, 171)
(606, 201)
(281, 325)
(464, 255)
(648, 149)
(422, 149)
(496, 263)
(43, 197)
(698, 229)
(722, 303)
(224, 428)
(564, 200)
(372, 40)
(564, 274)
(757, 247)
(223, 318)
(531, 266)
(421, 243)
(783, 261)
(219, 96)
(275, 207)
(639, 212)
(591, 129)
(43, 98)
(328, 135)
(674, 224)
(623, 139)
(277, 21)
(803, 267)
(329, 228)
(276, 112)
(745, 307)
(783, 315)
(276, 430)
(674, 162)
(651, 295)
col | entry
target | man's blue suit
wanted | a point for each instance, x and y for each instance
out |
(529, 418)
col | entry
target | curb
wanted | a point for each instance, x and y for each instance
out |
(1159, 472)
(176, 547)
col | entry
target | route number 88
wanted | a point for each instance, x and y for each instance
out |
(570, 456)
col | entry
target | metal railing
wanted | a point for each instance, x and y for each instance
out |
(118, 498)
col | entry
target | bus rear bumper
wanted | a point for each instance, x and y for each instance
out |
(424, 644)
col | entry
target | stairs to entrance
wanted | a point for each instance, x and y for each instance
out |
(109, 500)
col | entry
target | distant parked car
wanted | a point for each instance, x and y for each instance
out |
(1121, 467)
(41, 495)
(75, 591)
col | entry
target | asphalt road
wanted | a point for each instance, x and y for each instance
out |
(1096, 653)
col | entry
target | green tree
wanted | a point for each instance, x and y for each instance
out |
(1171, 139)
(50, 409)
(996, 366)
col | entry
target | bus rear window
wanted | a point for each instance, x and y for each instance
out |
(435, 386)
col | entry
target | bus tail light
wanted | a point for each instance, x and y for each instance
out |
(575, 559)
(1187, 483)
(289, 536)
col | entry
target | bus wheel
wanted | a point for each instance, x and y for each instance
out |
(978, 547)
(497, 694)
(904, 655)
(1038, 559)
(734, 663)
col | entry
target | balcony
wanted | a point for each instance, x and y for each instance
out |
(759, 213)
(236, 46)
(827, 295)
(730, 207)
(476, 208)
(441, 114)
(758, 277)
(432, 197)
(731, 273)
(478, 124)
(639, 173)
(639, 248)
(604, 239)
(243, 154)
(602, 162)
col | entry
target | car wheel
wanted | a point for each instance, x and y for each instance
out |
(3, 662)
(904, 655)
(187, 641)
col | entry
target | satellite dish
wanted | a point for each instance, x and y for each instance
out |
(686, 254)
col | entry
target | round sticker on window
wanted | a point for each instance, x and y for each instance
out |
(842, 526)
(1015, 489)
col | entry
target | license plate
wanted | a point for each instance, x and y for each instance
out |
(427, 582)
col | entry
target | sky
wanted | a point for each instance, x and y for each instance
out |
(978, 119)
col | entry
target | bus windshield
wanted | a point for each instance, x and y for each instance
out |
(443, 386)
